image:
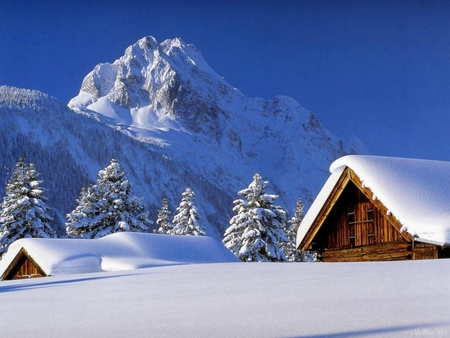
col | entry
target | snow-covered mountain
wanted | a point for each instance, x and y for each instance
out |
(172, 122)
(165, 94)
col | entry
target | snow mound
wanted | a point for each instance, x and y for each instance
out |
(117, 252)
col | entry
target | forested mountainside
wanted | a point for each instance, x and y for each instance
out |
(70, 148)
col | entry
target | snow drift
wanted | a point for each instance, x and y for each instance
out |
(119, 251)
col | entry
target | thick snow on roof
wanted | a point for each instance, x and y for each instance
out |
(416, 192)
(316, 206)
(119, 251)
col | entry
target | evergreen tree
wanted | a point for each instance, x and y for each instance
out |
(107, 207)
(290, 247)
(257, 229)
(23, 212)
(186, 221)
(165, 227)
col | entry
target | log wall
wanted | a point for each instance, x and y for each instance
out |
(377, 252)
(27, 270)
(359, 223)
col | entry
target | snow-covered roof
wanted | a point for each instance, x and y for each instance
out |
(416, 192)
(119, 251)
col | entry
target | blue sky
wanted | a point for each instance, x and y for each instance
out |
(377, 69)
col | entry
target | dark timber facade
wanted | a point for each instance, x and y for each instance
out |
(353, 225)
(23, 266)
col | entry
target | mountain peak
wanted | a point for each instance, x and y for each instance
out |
(148, 74)
(148, 42)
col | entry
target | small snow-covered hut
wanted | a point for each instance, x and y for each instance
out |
(380, 208)
(39, 257)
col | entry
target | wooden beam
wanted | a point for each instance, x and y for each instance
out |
(325, 210)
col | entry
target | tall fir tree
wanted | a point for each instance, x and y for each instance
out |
(185, 222)
(107, 207)
(165, 226)
(255, 232)
(24, 212)
(290, 247)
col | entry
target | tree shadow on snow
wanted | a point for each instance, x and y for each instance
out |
(417, 330)
(51, 283)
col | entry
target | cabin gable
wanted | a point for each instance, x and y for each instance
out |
(23, 266)
(353, 225)
(356, 221)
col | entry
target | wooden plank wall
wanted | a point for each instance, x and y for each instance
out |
(27, 270)
(360, 224)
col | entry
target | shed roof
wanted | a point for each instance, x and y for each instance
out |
(119, 251)
(416, 192)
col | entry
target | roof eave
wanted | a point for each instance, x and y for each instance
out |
(430, 241)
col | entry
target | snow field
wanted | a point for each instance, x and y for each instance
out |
(379, 299)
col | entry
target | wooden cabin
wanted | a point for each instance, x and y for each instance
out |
(359, 215)
(22, 266)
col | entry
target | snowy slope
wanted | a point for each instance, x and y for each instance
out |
(376, 299)
(167, 95)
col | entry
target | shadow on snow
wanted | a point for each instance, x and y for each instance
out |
(52, 283)
(417, 330)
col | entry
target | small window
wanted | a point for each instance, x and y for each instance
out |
(370, 227)
(351, 222)
(351, 217)
(352, 241)
(370, 217)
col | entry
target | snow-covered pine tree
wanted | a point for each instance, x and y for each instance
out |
(23, 212)
(165, 227)
(185, 222)
(255, 232)
(107, 207)
(290, 247)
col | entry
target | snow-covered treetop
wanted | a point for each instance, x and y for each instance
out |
(415, 191)
(185, 222)
(255, 193)
(14, 98)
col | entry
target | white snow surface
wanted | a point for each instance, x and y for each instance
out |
(117, 252)
(415, 191)
(370, 299)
